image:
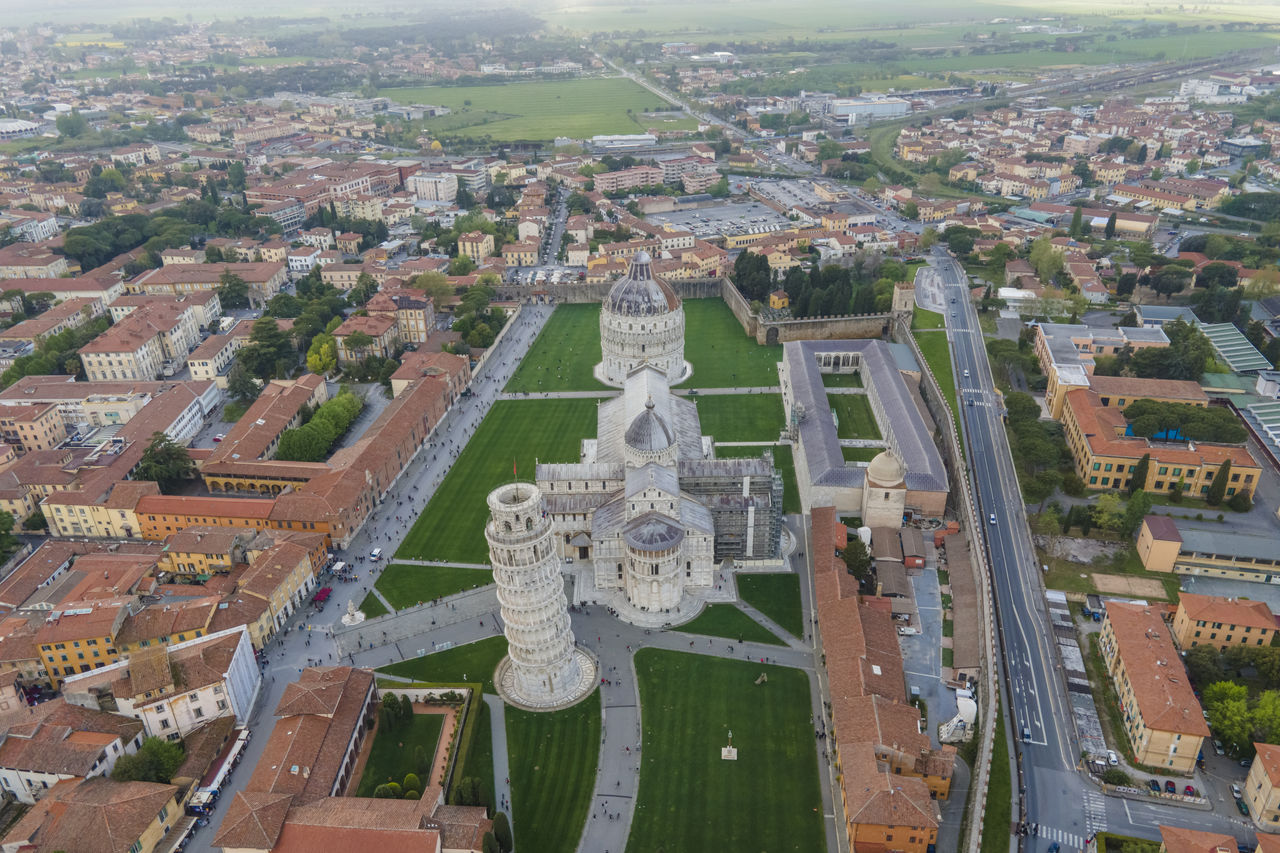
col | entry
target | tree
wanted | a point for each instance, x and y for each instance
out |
(1229, 716)
(241, 386)
(502, 831)
(857, 559)
(1108, 511)
(233, 291)
(928, 237)
(1046, 258)
(270, 352)
(1218, 488)
(155, 761)
(437, 286)
(911, 210)
(72, 124)
(1204, 665)
(1135, 510)
(37, 521)
(357, 342)
(1239, 502)
(322, 355)
(165, 462)
(387, 791)
(1138, 480)
(1266, 717)
(1109, 231)
(1077, 223)
(1169, 280)
(411, 782)
(489, 844)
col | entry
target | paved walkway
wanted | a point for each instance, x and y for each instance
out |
(501, 764)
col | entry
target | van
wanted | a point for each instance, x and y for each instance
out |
(375, 554)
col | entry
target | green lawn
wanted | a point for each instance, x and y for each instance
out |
(783, 462)
(999, 813)
(776, 596)
(725, 620)
(860, 454)
(473, 662)
(690, 799)
(721, 353)
(480, 757)
(391, 756)
(741, 417)
(372, 606)
(854, 418)
(922, 319)
(553, 772)
(938, 354)
(545, 109)
(842, 380)
(562, 357)
(404, 586)
(451, 528)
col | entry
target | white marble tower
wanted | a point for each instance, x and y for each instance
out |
(543, 668)
(641, 322)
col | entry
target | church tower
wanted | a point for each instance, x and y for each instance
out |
(543, 668)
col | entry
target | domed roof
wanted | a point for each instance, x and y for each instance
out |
(653, 532)
(649, 432)
(886, 469)
(639, 293)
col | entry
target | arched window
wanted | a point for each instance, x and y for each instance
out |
(528, 523)
(506, 525)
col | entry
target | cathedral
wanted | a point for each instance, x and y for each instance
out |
(646, 515)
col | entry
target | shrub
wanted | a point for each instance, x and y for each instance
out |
(1116, 776)
(1240, 502)
(502, 831)
(411, 782)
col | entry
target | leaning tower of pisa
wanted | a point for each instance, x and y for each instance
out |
(543, 668)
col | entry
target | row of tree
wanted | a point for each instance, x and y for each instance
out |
(1156, 418)
(311, 441)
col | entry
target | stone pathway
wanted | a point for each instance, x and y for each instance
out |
(444, 564)
(378, 595)
(501, 762)
(774, 628)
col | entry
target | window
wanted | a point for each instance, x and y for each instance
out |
(164, 724)
(1093, 481)
(1164, 469)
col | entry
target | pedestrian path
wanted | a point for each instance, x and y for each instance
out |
(1068, 840)
(443, 563)
(501, 763)
(774, 628)
(377, 593)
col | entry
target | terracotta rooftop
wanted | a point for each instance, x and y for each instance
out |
(1156, 675)
(92, 816)
(1178, 840)
(1231, 611)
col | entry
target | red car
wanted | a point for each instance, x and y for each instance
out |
(1189, 791)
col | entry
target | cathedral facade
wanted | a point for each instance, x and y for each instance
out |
(647, 512)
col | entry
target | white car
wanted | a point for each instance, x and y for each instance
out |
(376, 554)
(992, 518)
(1112, 758)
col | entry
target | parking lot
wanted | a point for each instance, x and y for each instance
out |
(733, 218)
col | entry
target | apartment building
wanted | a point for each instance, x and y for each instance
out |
(412, 309)
(35, 426)
(264, 279)
(475, 245)
(212, 360)
(82, 638)
(31, 260)
(138, 346)
(172, 690)
(107, 290)
(1105, 456)
(1066, 353)
(205, 305)
(36, 757)
(380, 329)
(433, 186)
(1162, 716)
(626, 179)
(71, 314)
(1219, 621)
(522, 254)
(1262, 787)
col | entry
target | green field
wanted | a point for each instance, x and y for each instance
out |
(391, 756)
(405, 586)
(473, 663)
(537, 110)
(553, 772)
(842, 380)
(741, 417)
(782, 461)
(854, 418)
(922, 318)
(562, 357)
(938, 354)
(451, 527)
(725, 620)
(721, 353)
(690, 799)
(372, 606)
(776, 596)
(479, 762)
(860, 454)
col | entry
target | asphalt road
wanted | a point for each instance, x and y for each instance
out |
(1062, 800)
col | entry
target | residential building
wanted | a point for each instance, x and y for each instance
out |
(433, 186)
(99, 816)
(1066, 354)
(172, 690)
(381, 330)
(1162, 716)
(36, 426)
(212, 360)
(523, 254)
(1105, 455)
(71, 314)
(627, 179)
(1262, 787)
(1179, 840)
(63, 742)
(1218, 621)
(31, 260)
(475, 245)
(264, 279)
(303, 258)
(412, 309)
(139, 346)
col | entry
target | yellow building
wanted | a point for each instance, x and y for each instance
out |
(779, 299)
(132, 816)
(475, 245)
(283, 576)
(1262, 787)
(1207, 553)
(1158, 543)
(82, 638)
(1213, 620)
(1162, 717)
(520, 254)
(38, 426)
(1066, 354)
(1105, 457)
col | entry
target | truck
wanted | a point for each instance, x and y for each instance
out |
(1093, 607)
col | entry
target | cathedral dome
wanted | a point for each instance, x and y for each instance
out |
(649, 432)
(639, 293)
(886, 469)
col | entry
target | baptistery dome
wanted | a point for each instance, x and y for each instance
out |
(641, 322)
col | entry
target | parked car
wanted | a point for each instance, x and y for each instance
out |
(1243, 807)
(1235, 791)
(1218, 748)
(1112, 758)
(1189, 791)
(219, 437)
(1169, 787)
(1153, 785)
(375, 554)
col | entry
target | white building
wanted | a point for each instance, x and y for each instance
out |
(860, 110)
(433, 186)
(641, 322)
(543, 668)
(61, 741)
(176, 689)
(303, 258)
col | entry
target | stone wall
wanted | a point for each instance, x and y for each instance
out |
(581, 291)
(823, 328)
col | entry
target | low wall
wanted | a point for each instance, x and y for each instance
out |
(581, 291)
(823, 328)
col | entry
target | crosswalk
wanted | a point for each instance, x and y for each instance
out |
(1068, 840)
(1095, 820)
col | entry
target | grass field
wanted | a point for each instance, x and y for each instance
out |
(923, 319)
(540, 109)
(938, 354)
(725, 620)
(860, 454)
(553, 771)
(451, 528)
(742, 417)
(842, 380)
(689, 799)
(721, 353)
(782, 461)
(776, 596)
(480, 757)
(854, 418)
(372, 606)
(391, 756)
(999, 814)
(404, 586)
(474, 662)
(562, 357)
